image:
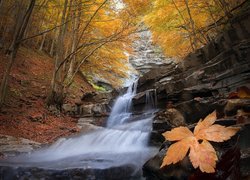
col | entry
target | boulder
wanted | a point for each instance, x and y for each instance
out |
(11, 146)
(86, 127)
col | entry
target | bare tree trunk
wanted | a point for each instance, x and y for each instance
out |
(225, 8)
(42, 43)
(75, 29)
(66, 49)
(1, 3)
(192, 24)
(186, 26)
(13, 50)
(213, 18)
(56, 96)
(51, 52)
(59, 48)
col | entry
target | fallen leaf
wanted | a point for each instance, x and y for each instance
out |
(208, 121)
(177, 134)
(217, 133)
(201, 155)
(177, 151)
(243, 92)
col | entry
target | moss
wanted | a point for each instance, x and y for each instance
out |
(98, 88)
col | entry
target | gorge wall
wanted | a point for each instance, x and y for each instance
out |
(201, 83)
(210, 73)
(148, 56)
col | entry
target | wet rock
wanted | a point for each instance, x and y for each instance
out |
(88, 96)
(233, 105)
(90, 123)
(86, 110)
(100, 109)
(126, 172)
(86, 127)
(11, 146)
(140, 98)
(165, 121)
(175, 118)
(68, 109)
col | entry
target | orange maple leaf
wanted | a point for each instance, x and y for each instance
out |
(201, 155)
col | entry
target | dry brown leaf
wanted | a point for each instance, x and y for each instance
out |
(201, 155)
(243, 92)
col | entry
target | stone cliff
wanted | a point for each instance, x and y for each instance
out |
(201, 83)
(148, 56)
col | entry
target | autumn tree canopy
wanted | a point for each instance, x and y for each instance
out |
(181, 26)
(95, 36)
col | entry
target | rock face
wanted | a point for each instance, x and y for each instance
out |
(201, 83)
(93, 107)
(205, 77)
(10, 146)
(147, 56)
(113, 173)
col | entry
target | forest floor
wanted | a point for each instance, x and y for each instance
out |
(25, 114)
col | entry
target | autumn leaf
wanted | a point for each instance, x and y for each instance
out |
(217, 133)
(242, 92)
(177, 134)
(174, 156)
(208, 121)
(201, 155)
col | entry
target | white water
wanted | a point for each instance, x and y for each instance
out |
(121, 110)
(123, 142)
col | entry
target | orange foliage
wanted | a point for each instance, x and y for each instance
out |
(172, 27)
(201, 155)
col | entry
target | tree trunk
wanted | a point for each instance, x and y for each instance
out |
(186, 26)
(75, 28)
(225, 8)
(13, 50)
(51, 52)
(213, 18)
(192, 24)
(56, 86)
(42, 43)
(1, 3)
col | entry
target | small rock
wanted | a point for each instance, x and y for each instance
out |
(175, 117)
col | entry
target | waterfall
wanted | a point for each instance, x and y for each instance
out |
(151, 99)
(121, 110)
(121, 142)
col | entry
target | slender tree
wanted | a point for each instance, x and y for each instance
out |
(14, 48)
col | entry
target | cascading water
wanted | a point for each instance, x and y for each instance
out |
(122, 108)
(121, 142)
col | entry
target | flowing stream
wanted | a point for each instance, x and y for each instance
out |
(123, 141)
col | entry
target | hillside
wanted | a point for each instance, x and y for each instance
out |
(25, 114)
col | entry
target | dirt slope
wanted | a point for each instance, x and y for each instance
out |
(25, 114)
